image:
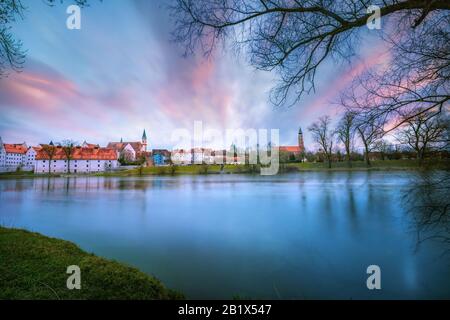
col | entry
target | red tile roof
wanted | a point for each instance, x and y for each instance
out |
(80, 154)
(201, 150)
(137, 146)
(15, 148)
(290, 149)
(90, 145)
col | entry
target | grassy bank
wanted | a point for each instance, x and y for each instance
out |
(33, 266)
(378, 165)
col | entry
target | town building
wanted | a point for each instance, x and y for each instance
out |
(2, 154)
(13, 156)
(293, 153)
(89, 145)
(130, 151)
(202, 156)
(30, 157)
(181, 157)
(160, 157)
(82, 160)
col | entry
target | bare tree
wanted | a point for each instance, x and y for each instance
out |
(12, 55)
(68, 147)
(50, 151)
(383, 147)
(294, 37)
(370, 131)
(423, 132)
(323, 135)
(345, 132)
(415, 76)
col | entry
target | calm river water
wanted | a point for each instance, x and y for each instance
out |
(293, 236)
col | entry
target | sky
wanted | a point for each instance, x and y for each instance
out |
(121, 73)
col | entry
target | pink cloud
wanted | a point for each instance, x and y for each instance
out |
(321, 104)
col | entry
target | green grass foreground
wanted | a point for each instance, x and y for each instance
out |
(33, 266)
(378, 165)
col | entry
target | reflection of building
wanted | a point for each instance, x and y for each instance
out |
(293, 153)
(83, 160)
(130, 151)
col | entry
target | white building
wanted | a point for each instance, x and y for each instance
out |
(82, 160)
(181, 157)
(12, 156)
(30, 157)
(202, 156)
(2, 154)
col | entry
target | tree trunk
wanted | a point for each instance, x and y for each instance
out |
(68, 166)
(367, 156)
(420, 157)
(349, 160)
(329, 161)
(49, 166)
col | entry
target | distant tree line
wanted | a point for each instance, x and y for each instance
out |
(357, 137)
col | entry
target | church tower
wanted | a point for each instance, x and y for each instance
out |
(144, 141)
(301, 144)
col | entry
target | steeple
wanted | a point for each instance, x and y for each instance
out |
(301, 144)
(121, 140)
(144, 141)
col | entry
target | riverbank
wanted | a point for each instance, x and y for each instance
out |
(378, 165)
(33, 266)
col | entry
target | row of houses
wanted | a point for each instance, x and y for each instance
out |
(50, 158)
(91, 158)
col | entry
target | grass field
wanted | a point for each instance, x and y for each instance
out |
(286, 167)
(33, 266)
(254, 169)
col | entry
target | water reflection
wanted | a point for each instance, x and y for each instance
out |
(427, 200)
(308, 235)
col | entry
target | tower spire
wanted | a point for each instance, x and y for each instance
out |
(301, 144)
(144, 140)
